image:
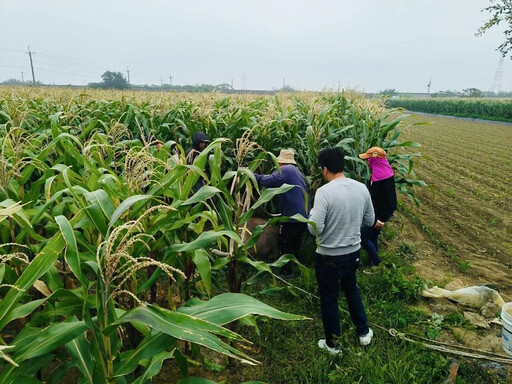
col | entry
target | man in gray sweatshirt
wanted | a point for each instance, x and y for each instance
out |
(340, 208)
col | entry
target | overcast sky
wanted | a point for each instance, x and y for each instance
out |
(369, 45)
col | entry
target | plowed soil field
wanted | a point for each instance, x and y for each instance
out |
(463, 226)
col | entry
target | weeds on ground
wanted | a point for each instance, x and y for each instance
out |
(288, 351)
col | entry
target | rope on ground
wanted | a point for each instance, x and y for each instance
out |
(441, 348)
(427, 343)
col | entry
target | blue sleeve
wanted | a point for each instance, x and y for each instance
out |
(273, 180)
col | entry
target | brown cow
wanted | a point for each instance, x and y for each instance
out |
(266, 246)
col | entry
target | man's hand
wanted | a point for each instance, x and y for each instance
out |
(379, 224)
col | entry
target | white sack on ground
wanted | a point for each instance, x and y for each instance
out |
(487, 299)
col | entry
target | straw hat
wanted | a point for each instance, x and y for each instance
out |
(286, 156)
(373, 152)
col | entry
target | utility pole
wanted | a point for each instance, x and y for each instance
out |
(231, 83)
(170, 81)
(161, 81)
(32, 65)
(428, 87)
(283, 82)
(22, 78)
(128, 73)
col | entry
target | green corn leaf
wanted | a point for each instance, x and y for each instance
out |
(202, 261)
(17, 213)
(203, 240)
(71, 256)
(95, 214)
(31, 367)
(125, 206)
(78, 348)
(48, 339)
(204, 193)
(152, 344)
(184, 327)
(153, 368)
(38, 267)
(22, 379)
(24, 309)
(266, 195)
(101, 198)
(227, 307)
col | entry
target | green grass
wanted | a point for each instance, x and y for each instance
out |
(288, 352)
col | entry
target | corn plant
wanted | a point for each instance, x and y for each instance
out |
(109, 262)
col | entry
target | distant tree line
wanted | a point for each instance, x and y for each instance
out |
(19, 82)
(468, 92)
(471, 92)
(116, 80)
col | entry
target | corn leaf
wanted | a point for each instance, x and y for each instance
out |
(227, 307)
(48, 339)
(202, 261)
(78, 348)
(72, 257)
(38, 267)
(203, 240)
(154, 366)
(152, 344)
(184, 327)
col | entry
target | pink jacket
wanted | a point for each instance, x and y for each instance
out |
(380, 168)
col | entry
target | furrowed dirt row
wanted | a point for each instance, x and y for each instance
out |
(465, 211)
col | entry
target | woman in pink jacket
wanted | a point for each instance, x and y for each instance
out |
(383, 193)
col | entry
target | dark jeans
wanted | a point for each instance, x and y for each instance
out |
(289, 241)
(370, 243)
(333, 272)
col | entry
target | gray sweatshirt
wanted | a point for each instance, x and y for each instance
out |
(341, 207)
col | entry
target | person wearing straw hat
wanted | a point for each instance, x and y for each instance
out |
(295, 201)
(383, 193)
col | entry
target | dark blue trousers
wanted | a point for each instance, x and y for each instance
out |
(333, 273)
(370, 243)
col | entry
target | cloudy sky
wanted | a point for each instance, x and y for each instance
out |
(369, 45)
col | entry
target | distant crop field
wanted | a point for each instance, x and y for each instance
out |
(466, 207)
(490, 109)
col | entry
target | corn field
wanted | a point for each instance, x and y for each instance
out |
(109, 263)
(490, 109)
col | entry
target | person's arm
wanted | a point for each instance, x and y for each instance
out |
(318, 214)
(274, 180)
(369, 214)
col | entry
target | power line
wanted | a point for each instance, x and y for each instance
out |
(12, 66)
(63, 73)
(11, 50)
(67, 59)
(11, 59)
(66, 68)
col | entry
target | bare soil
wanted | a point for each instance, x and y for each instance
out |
(462, 229)
(463, 226)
